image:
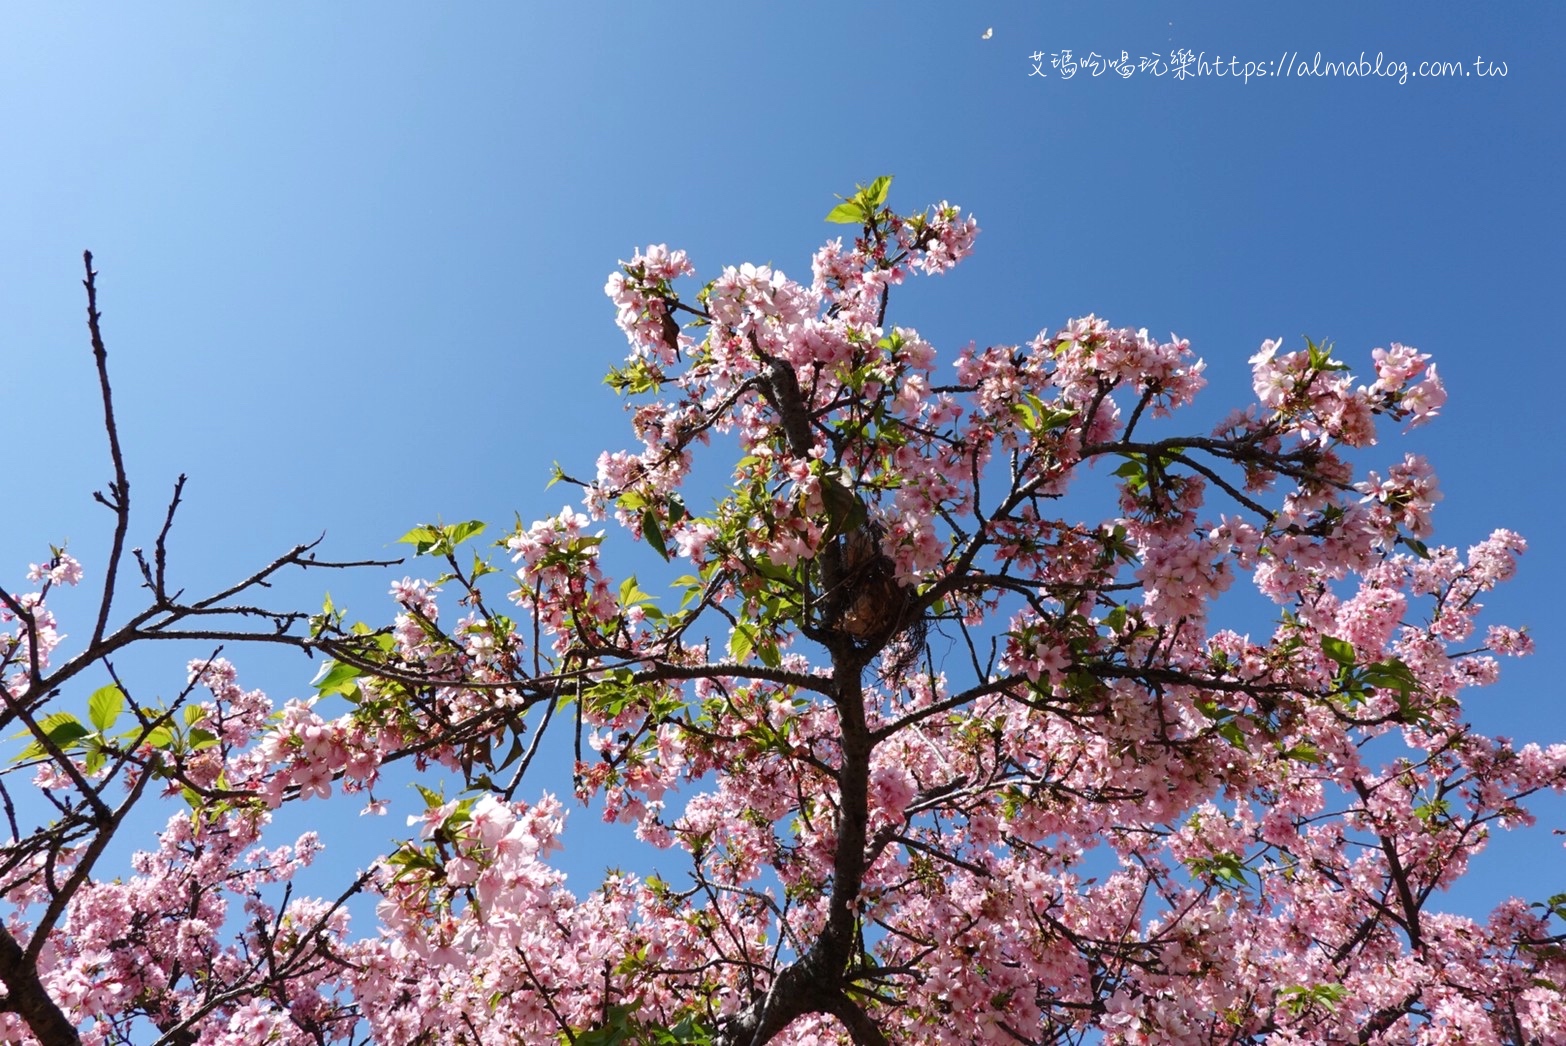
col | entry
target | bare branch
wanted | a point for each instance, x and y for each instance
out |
(118, 499)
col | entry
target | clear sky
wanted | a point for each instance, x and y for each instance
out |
(352, 254)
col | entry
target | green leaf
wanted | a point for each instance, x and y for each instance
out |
(1304, 752)
(1052, 418)
(849, 212)
(1297, 998)
(105, 706)
(845, 511)
(635, 378)
(618, 1030)
(654, 534)
(688, 1031)
(457, 533)
(741, 641)
(1231, 732)
(1393, 675)
(1432, 811)
(1320, 356)
(422, 538)
(1340, 650)
(874, 194)
(512, 755)
(693, 586)
(336, 678)
(1391, 672)
(63, 728)
(1226, 869)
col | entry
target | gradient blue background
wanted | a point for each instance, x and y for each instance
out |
(352, 255)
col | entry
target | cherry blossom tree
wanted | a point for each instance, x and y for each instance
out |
(925, 751)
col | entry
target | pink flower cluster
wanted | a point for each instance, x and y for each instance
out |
(640, 294)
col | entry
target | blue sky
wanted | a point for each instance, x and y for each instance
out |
(352, 255)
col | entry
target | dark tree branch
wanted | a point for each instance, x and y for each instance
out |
(118, 499)
(25, 995)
